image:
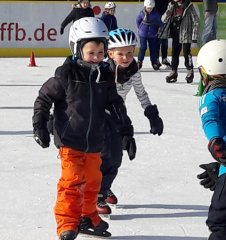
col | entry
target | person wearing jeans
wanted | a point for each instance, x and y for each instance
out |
(210, 21)
(148, 23)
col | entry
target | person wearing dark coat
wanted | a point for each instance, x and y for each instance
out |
(108, 16)
(80, 10)
(181, 23)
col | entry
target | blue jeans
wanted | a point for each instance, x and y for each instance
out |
(210, 28)
(153, 44)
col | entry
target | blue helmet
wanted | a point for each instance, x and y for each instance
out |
(121, 37)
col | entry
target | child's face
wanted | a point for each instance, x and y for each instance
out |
(93, 52)
(85, 4)
(148, 9)
(122, 56)
(111, 11)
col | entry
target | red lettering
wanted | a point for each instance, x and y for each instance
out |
(52, 32)
(39, 33)
(19, 30)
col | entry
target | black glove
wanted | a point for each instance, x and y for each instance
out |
(217, 149)
(210, 175)
(41, 135)
(129, 144)
(50, 124)
(156, 123)
(61, 31)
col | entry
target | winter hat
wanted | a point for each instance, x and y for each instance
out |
(149, 3)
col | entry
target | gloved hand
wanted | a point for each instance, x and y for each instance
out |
(129, 144)
(156, 123)
(217, 148)
(41, 135)
(210, 175)
(61, 31)
(50, 124)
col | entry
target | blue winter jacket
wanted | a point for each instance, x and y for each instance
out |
(212, 110)
(148, 28)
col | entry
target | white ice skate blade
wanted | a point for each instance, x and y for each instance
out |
(106, 216)
(83, 236)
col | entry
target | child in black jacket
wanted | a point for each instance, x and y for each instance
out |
(81, 92)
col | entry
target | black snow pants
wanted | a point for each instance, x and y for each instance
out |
(111, 155)
(216, 220)
(176, 49)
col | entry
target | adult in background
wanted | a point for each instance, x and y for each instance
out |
(210, 21)
(80, 10)
(108, 16)
(181, 24)
(161, 6)
(148, 23)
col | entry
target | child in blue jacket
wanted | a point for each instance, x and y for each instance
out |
(148, 23)
(213, 116)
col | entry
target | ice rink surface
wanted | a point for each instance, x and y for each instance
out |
(159, 195)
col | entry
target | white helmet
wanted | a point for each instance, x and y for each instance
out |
(149, 3)
(212, 57)
(84, 29)
(121, 37)
(109, 5)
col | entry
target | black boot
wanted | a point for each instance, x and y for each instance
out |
(190, 76)
(86, 227)
(68, 235)
(172, 77)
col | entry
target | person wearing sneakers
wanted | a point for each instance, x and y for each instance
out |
(121, 48)
(211, 61)
(108, 16)
(181, 24)
(81, 92)
(148, 23)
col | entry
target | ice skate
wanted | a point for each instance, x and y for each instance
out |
(190, 76)
(87, 228)
(68, 235)
(156, 65)
(111, 198)
(103, 208)
(172, 77)
(166, 62)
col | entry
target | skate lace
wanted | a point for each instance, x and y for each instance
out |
(102, 203)
(110, 194)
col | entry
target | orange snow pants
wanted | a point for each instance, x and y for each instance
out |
(77, 189)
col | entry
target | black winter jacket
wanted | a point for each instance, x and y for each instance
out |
(76, 14)
(81, 95)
